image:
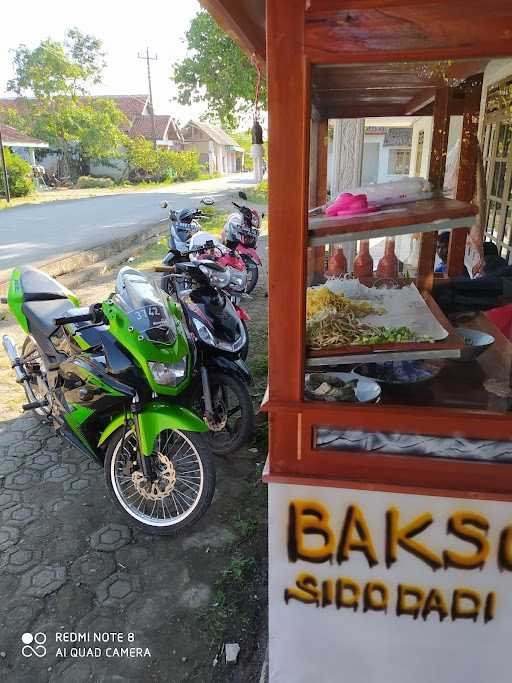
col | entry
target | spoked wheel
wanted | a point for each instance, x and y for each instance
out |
(232, 423)
(36, 388)
(252, 273)
(182, 484)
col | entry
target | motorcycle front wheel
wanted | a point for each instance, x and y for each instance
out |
(181, 490)
(232, 423)
(252, 273)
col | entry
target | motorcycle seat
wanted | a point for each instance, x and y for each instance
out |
(33, 281)
(40, 314)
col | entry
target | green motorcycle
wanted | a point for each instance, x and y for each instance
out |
(108, 377)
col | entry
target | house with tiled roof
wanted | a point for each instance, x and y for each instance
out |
(23, 145)
(137, 111)
(216, 148)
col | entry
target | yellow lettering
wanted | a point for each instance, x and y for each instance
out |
(435, 603)
(375, 597)
(327, 592)
(356, 536)
(470, 527)
(307, 590)
(505, 549)
(307, 517)
(490, 607)
(460, 610)
(344, 584)
(402, 537)
(404, 605)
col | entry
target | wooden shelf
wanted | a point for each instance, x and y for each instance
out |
(426, 215)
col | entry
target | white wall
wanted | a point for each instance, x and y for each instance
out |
(496, 70)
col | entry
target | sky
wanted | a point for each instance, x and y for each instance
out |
(124, 28)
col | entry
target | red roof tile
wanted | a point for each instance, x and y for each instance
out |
(15, 138)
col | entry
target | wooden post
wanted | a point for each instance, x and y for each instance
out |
(289, 120)
(441, 126)
(322, 144)
(467, 169)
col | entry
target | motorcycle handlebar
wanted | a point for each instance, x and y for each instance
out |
(86, 317)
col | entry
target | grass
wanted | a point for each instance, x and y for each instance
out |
(260, 193)
(62, 194)
(259, 365)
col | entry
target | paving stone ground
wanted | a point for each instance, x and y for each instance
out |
(71, 562)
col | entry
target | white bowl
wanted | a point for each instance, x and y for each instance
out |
(367, 390)
(476, 342)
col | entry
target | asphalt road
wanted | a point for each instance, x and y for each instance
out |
(36, 234)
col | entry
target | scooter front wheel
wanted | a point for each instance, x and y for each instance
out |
(252, 273)
(182, 486)
(232, 423)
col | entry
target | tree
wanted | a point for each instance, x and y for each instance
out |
(55, 69)
(216, 70)
(53, 80)
(19, 174)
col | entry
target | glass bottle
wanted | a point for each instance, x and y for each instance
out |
(363, 263)
(337, 263)
(388, 265)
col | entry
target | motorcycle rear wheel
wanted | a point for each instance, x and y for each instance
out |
(33, 357)
(187, 470)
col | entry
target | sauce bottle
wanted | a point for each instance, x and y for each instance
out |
(337, 263)
(388, 265)
(363, 263)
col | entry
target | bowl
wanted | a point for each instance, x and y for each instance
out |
(399, 373)
(367, 390)
(475, 343)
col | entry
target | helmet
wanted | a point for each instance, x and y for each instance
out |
(186, 215)
(232, 230)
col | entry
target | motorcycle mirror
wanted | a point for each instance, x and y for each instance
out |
(242, 195)
(164, 204)
(208, 201)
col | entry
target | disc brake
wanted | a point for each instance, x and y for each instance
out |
(161, 487)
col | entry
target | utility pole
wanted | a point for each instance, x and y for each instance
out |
(152, 111)
(6, 179)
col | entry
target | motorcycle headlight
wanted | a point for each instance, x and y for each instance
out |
(168, 374)
(204, 333)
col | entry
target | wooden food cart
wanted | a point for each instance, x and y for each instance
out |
(390, 544)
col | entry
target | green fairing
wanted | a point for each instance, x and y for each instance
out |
(15, 299)
(154, 418)
(144, 351)
(75, 420)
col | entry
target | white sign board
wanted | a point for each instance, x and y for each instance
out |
(372, 587)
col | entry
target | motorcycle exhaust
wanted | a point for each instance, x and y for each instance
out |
(12, 353)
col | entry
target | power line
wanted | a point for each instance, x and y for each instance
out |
(148, 59)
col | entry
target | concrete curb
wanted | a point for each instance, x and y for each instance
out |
(110, 253)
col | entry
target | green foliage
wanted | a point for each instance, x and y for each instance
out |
(147, 164)
(216, 70)
(57, 75)
(56, 69)
(244, 139)
(86, 182)
(19, 175)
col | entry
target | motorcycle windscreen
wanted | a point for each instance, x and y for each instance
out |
(145, 306)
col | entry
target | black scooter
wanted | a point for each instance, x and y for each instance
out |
(220, 395)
